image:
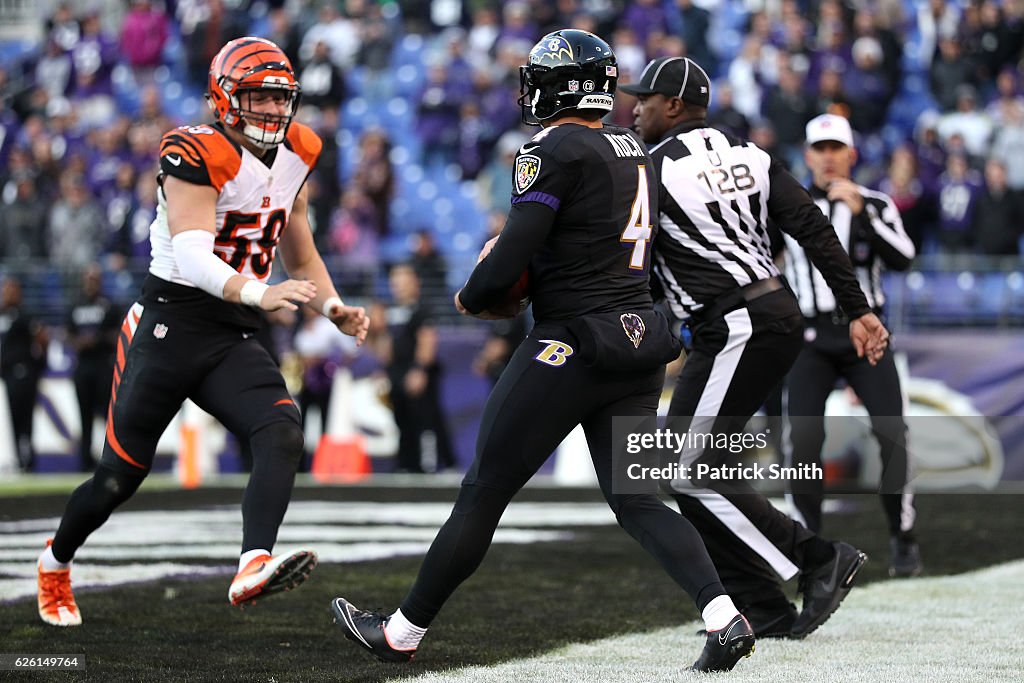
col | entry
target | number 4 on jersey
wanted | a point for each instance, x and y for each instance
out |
(638, 228)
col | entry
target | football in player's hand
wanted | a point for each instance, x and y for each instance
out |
(515, 301)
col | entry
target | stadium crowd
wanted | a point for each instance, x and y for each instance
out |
(933, 88)
(416, 103)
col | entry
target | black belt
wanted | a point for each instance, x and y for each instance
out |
(738, 298)
(835, 317)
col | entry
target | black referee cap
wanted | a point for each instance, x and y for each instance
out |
(675, 77)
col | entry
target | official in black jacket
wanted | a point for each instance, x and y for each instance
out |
(870, 229)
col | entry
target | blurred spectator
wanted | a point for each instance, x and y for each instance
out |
(62, 28)
(23, 342)
(54, 70)
(133, 240)
(93, 325)
(415, 374)
(375, 176)
(931, 157)
(285, 34)
(968, 121)
(644, 18)
(868, 23)
(745, 78)
(937, 20)
(694, 28)
(949, 72)
(630, 55)
(321, 348)
(324, 183)
(998, 222)
(430, 266)
(143, 36)
(725, 115)
(354, 237)
(989, 38)
(762, 134)
(23, 228)
(77, 227)
(437, 117)
(378, 42)
(323, 85)
(789, 109)
(94, 58)
(831, 97)
(1008, 97)
(494, 183)
(912, 198)
(340, 33)
(959, 188)
(119, 200)
(483, 35)
(206, 25)
(476, 137)
(1008, 146)
(867, 85)
(517, 23)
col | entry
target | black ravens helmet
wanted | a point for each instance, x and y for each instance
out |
(567, 69)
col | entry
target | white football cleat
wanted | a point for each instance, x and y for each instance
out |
(267, 574)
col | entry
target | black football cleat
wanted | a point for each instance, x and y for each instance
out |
(771, 621)
(825, 587)
(366, 629)
(725, 647)
(906, 558)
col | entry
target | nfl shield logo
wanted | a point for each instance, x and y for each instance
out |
(160, 331)
(574, 86)
(527, 169)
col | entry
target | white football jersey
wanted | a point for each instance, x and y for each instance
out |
(254, 203)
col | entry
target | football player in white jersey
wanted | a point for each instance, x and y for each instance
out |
(230, 195)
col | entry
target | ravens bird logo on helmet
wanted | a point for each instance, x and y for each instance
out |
(557, 65)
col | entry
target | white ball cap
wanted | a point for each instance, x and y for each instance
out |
(829, 127)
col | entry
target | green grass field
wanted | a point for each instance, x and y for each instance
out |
(594, 608)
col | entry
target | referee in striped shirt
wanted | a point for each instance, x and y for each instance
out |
(714, 260)
(869, 227)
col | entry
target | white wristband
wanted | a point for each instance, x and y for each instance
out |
(331, 303)
(251, 293)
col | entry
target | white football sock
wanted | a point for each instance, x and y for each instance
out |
(402, 634)
(249, 556)
(50, 563)
(719, 613)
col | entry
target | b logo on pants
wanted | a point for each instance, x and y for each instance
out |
(554, 353)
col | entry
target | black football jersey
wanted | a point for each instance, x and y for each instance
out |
(601, 184)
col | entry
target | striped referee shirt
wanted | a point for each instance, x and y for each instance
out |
(716, 195)
(874, 238)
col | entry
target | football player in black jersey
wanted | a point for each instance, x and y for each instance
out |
(583, 201)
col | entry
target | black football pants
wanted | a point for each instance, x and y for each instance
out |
(735, 363)
(544, 392)
(829, 356)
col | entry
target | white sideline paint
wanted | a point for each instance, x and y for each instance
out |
(339, 532)
(900, 630)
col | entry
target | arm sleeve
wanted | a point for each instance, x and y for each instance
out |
(888, 238)
(193, 252)
(526, 228)
(794, 212)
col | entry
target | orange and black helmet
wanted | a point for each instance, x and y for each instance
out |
(246, 65)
